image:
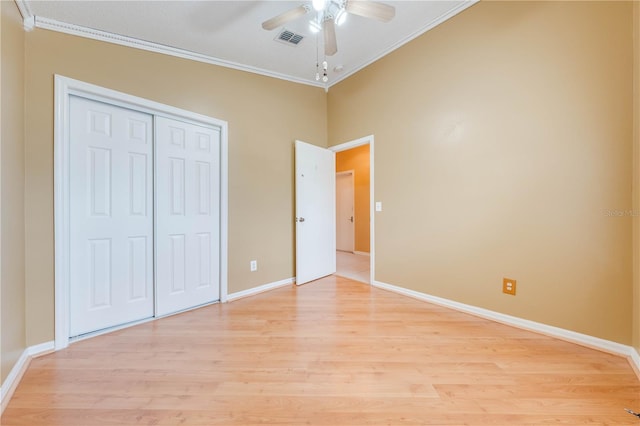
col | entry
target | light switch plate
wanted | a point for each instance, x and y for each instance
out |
(378, 206)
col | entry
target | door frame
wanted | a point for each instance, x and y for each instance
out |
(64, 88)
(353, 203)
(372, 224)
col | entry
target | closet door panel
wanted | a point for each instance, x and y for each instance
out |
(111, 221)
(187, 215)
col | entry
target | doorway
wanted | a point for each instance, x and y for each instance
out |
(354, 213)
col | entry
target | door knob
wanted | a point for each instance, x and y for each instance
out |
(351, 219)
(299, 219)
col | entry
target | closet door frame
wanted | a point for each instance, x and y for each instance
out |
(64, 88)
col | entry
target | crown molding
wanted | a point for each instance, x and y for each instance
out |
(31, 21)
(93, 34)
(434, 23)
(23, 7)
(28, 19)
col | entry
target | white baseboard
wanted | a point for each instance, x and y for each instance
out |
(260, 289)
(362, 253)
(41, 349)
(634, 359)
(11, 382)
(571, 336)
(15, 375)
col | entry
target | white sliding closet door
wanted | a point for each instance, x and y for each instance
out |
(187, 215)
(110, 215)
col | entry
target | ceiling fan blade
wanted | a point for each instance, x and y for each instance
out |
(371, 9)
(330, 43)
(285, 17)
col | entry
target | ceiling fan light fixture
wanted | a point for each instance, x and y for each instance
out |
(319, 4)
(329, 15)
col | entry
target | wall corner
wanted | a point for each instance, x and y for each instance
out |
(636, 176)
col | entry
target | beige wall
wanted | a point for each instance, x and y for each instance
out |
(357, 159)
(12, 329)
(503, 145)
(261, 140)
(636, 178)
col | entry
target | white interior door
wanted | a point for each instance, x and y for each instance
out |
(187, 215)
(315, 212)
(344, 211)
(110, 215)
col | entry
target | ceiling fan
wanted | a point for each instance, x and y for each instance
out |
(329, 13)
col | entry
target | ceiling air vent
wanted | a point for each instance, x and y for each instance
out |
(289, 37)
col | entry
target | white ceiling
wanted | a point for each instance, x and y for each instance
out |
(230, 32)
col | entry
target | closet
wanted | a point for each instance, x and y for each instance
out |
(144, 215)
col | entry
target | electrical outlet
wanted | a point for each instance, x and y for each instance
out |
(253, 265)
(509, 286)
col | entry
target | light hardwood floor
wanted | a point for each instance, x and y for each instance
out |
(353, 266)
(332, 352)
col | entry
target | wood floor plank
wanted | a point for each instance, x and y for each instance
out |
(332, 352)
